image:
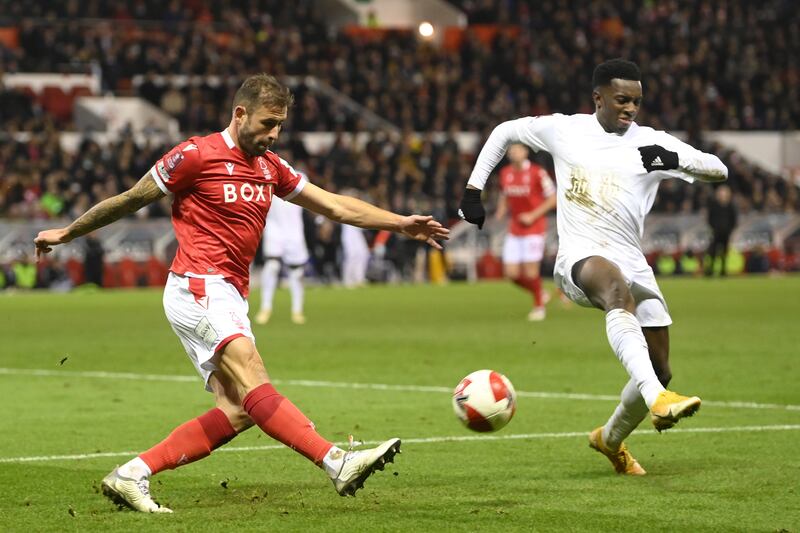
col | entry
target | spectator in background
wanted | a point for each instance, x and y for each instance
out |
(23, 272)
(93, 260)
(722, 219)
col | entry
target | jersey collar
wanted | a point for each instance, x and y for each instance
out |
(226, 136)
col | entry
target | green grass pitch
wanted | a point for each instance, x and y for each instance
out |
(733, 467)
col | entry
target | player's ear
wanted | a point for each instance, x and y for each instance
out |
(240, 113)
(598, 98)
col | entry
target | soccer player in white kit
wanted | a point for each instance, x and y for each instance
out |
(607, 173)
(283, 243)
(221, 187)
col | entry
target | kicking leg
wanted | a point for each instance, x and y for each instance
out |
(607, 289)
(631, 410)
(278, 417)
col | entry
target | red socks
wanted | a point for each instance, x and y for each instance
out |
(190, 441)
(281, 420)
(532, 285)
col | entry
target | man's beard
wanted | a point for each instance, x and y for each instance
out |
(248, 144)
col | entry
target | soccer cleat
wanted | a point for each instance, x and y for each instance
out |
(537, 314)
(263, 316)
(670, 407)
(622, 460)
(129, 492)
(298, 318)
(358, 465)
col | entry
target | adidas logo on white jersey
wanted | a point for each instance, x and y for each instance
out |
(657, 162)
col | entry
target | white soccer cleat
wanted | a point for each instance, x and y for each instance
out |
(537, 314)
(129, 492)
(358, 465)
(298, 318)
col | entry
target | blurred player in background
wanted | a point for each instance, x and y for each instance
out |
(221, 187)
(607, 172)
(284, 243)
(355, 257)
(528, 194)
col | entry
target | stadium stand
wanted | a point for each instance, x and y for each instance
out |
(516, 58)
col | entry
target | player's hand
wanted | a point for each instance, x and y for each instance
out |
(46, 239)
(471, 208)
(424, 228)
(655, 157)
(527, 219)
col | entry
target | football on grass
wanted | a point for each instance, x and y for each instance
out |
(484, 400)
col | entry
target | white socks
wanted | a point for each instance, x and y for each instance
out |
(296, 289)
(628, 342)
(135, 469)
(269, 281)
(332, 462)
(629, 413)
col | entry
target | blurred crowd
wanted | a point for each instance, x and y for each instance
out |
(712, 64)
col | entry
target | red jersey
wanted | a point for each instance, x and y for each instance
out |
(220, 201)
(525, 189)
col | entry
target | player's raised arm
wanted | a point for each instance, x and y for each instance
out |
(144, 192)
(531, 131)
(349, 210)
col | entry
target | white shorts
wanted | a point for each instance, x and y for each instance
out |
(206, 314)
(523, 248)
(651, 308)
(293, 252)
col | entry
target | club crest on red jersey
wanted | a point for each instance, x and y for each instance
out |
(173, 159)
(265, 169)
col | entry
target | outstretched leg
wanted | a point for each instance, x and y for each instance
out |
(630, 412)
(607, 289)
(242, 366)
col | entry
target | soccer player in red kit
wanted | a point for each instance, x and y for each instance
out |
(529, 194)
(221, 187)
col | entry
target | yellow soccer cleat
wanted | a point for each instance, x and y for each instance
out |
(622, 460)
(298, 318)
(671, 407)
(263, 316)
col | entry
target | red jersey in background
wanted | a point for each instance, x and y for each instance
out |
(525, 189)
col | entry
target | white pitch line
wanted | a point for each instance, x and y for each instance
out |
(422, 440)
(370, 386)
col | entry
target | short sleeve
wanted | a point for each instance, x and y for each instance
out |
(177, 169)
(290, 181)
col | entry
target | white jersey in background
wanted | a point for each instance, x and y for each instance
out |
(284, 236)
(604, 191)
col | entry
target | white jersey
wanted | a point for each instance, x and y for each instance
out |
(284, 236)
(604, 191)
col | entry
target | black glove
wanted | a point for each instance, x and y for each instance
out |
(471, 208)
(655, 157)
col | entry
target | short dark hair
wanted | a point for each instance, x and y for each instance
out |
(262, 90)
(615, 68)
